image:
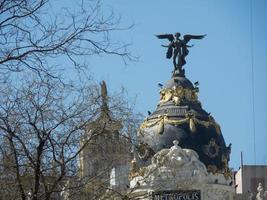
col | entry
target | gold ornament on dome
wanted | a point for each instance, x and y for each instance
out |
(226, 171)
(212, 169)
(178, 94)
(189, 118)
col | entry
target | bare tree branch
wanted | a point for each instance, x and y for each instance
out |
(34, 35)
(45, 123)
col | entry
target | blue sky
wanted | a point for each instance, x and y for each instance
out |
(221, 62)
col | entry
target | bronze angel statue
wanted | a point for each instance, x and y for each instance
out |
(178, 48)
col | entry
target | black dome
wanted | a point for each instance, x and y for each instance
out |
(179, 81)
(179, 116)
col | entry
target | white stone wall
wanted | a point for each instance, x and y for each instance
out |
(238, 181)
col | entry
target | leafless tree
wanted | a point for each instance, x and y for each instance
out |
(41, 126)
(40, 35)
(41, 120)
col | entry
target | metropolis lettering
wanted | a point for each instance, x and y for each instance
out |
(177, 195)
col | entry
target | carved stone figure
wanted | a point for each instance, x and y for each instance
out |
(178, 48)
(261, 195)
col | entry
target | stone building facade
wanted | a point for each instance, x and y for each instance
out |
(105, 158)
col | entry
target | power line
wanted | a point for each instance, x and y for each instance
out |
(252, 80)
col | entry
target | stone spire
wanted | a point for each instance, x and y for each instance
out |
(104, 98)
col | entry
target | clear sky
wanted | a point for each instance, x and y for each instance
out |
(221, 62)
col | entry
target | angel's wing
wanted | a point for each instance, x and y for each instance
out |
(187, 38)
(169, 52)
(170, 37)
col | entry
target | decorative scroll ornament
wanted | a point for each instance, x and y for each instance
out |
(189, 118)
(226, 171)
(212, 149)
(228, 174)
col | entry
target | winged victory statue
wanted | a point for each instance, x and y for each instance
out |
(178, 48)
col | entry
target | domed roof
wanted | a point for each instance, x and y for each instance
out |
(181, 81)
(180, 116)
